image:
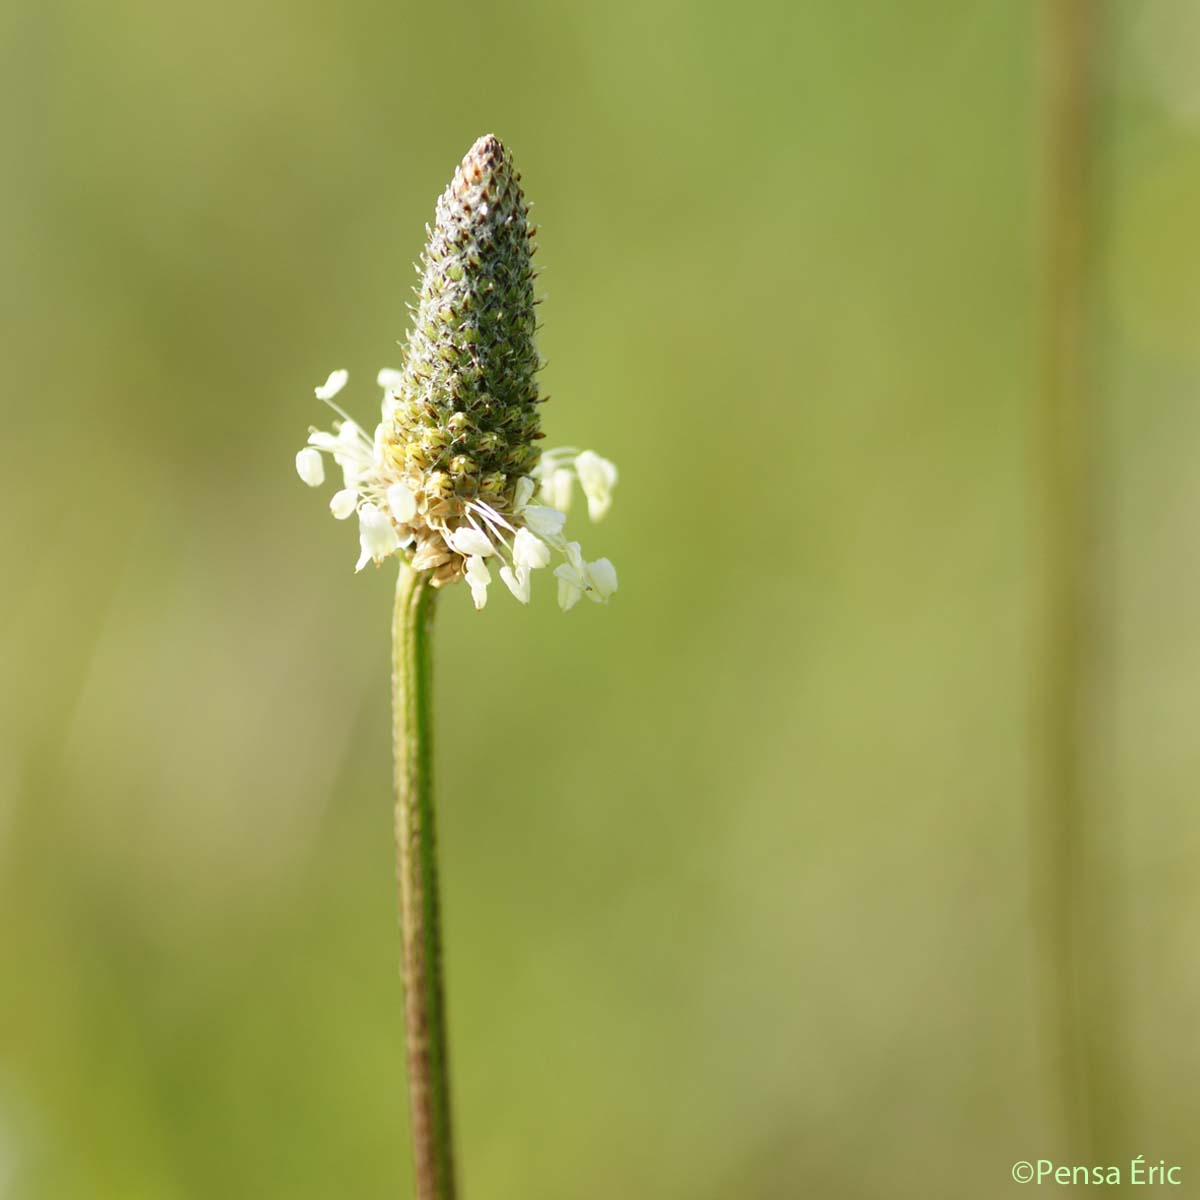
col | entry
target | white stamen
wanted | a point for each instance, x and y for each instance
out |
(597, 477)
(376, 535)
(529, 551)
(517, 582)
(547, 522)
(310, 467)
(490, 515)
(402, 502)
(478, 577)
(603, 577)
(568, 594)
(343, 503)
(556, 489)
(572, 581)
(331, 386)
(349, 454)
(471, 542)
(523, 493)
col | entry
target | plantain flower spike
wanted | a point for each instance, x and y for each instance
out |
(450, 478)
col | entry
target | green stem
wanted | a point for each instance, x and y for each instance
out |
(1059, 823)
(425, 1009)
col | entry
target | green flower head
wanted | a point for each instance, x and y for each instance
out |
(450, 476)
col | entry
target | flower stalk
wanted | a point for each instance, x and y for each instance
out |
(454, 484)
(416, 866)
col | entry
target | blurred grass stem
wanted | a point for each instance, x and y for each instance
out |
(1059, 816)
(425, 1014)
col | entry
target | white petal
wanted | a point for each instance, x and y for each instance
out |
(517, 583)
(309, 467)
(327, 441)
(477, 571)
(602, 575)
(389, 378)
(523, 494)
(402, 502)
(343, 503)
(545, 521)
(331, 386)
(470, 541)
(530, 551)
(376, 535)
(349, 434)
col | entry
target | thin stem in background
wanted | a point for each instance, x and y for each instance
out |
(1059, 825)
(416, 846)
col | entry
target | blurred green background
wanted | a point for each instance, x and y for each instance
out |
(736, 871)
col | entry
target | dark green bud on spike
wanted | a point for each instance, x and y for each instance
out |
(466, 408)
(453, 480)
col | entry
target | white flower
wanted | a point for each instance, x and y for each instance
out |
(517, 582)
(331, 386)
(478, 577)
(529, 551)
(461, 535)
(309, 467)
(468, 541)
(343, 503)
(402, 502)
(597, 477)
(547, 522)
(376, 535)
